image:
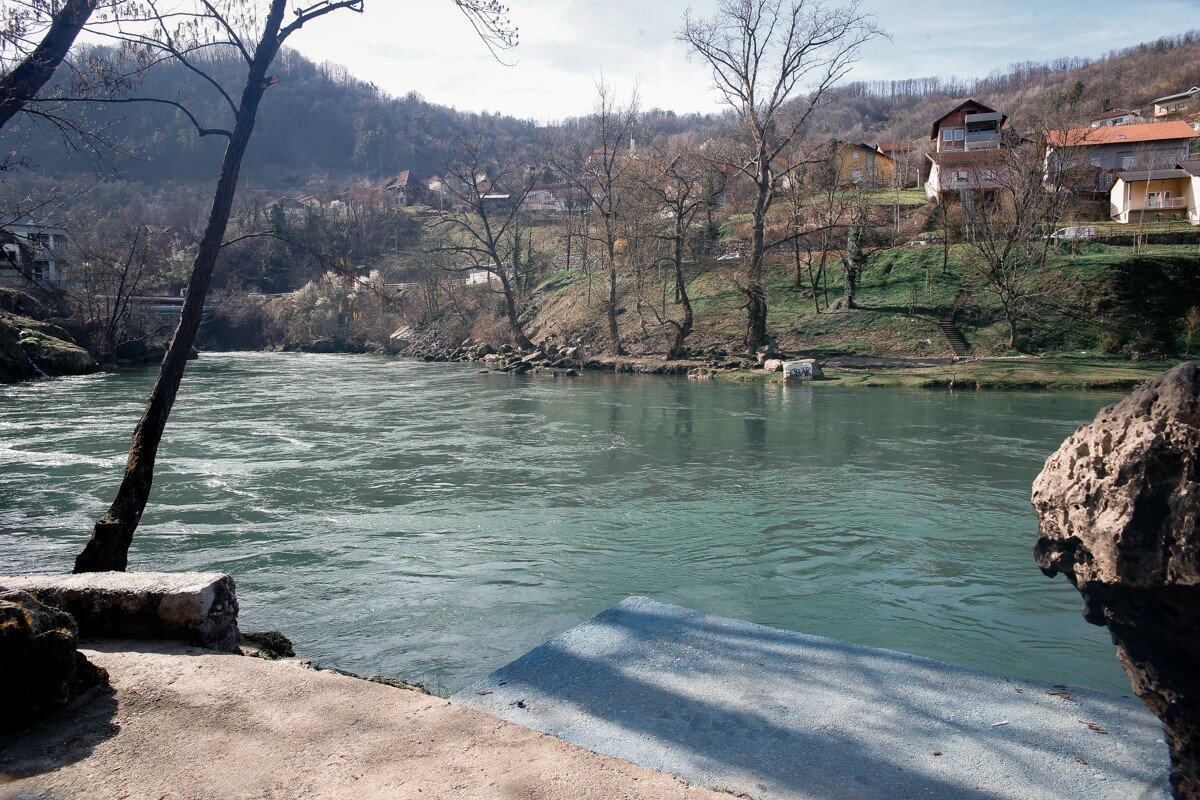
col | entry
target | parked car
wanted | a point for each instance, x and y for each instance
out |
(1074, 232)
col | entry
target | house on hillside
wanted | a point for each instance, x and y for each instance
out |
(1156, 194)
(1116, 116)
(1175, 104)
(967, 127)
(402, 187)
(34, 254)
(543, 198)
(967, 141)
(861, 165)
(959, 172)
(1085, 159)
(319, 183)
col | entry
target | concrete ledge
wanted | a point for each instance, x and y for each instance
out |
(197, 607)
(771, 714)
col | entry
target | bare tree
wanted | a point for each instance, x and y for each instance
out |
(1006, 227)
(34, 40)
(481, 224)
(257, 31)
(596, 158)
(762, 53)
(678, 184)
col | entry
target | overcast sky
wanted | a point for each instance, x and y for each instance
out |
(428, 47)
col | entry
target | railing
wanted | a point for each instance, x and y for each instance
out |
(987, 140)
(1156, 205)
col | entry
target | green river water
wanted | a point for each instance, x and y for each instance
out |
(430, 522)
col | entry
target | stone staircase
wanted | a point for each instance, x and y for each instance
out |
(954, 337)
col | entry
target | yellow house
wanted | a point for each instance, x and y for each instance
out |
(862, 165)
(1156, 194)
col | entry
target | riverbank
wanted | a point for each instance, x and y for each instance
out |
(1061, 372)
(1052, 373)
(184, 723)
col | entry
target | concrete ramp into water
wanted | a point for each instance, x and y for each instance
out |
(764, 713)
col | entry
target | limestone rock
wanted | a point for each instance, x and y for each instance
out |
(40, 669)
(773, 364)
(198, 607)
(1118, 506)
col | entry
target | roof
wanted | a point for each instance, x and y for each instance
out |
(1153, 174)
(1179, 95)
(1116, 112)
(32, 227)
(1123, 134)
(1190, 167)
(896, 147)
(933, 131)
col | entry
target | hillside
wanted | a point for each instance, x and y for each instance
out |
(903, 109)
(319, 118)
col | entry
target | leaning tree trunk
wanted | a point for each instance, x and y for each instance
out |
(22, 84)
(684, 328)
(108, 548)
(510, 310)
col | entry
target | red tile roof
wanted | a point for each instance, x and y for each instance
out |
(1121, 134)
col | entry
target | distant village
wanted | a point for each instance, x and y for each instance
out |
(1126, 165)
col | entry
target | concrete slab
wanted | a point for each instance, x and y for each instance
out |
(196, 607)
(765, 713)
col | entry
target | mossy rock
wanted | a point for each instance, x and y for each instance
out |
(27, 346)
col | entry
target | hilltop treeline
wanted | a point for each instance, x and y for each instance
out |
(322, 118)
(318, 118)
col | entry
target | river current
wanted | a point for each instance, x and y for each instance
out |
(433, 523)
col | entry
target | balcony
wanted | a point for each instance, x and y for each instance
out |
(983, 140)
(1174, 204)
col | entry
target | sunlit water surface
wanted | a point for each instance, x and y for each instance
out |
(426, 521)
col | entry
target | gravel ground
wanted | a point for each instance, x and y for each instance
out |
(189, 723)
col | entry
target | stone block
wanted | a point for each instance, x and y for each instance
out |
(197, 607)
(773, 364)
(802, 369)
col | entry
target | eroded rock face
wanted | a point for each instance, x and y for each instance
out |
(1118, 506)
(40, 669)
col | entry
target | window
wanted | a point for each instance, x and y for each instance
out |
(856, 154)
(961, 176)
(947, 136)
(988, 175)
(959, 134)
(1128, 162)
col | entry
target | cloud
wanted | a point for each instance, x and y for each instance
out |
(566, 44)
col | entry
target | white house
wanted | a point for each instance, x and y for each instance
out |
(46, 266)
(1156, 194)
(1175, 103)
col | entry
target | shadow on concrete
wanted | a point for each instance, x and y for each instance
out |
(652, 692)
(66, 736)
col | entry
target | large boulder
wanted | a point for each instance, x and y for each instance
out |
(200, 608)
(1118, 506)
(31, 349)
(40, 668)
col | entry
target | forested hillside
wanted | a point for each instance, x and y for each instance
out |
(321, 118)
(317, 118)
(904, 109)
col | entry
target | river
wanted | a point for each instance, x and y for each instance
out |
(430, 522)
